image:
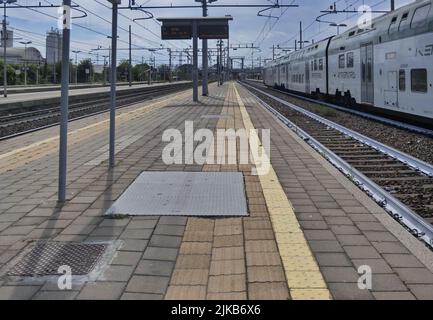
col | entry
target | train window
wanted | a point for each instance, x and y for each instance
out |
(419, 80)
(320, 64)
(402, 80)
(315, 65)
(352, 33)
(404, 22)
(312, 65)
(420, 16)
(341, 61)
(393, 24)
(350, 62)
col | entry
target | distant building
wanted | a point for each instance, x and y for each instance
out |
(54, 46)
(9, 38)
(21, 55)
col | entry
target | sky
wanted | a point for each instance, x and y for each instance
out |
(91, 32)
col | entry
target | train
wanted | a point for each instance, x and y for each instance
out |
(386, 67)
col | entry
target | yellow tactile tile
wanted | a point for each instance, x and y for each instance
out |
(304, 278)
(290, 238)
(294, 249)
(300, 264)
(310, 294)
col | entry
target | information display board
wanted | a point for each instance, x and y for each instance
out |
(174, 32)
(213, 32)
(207, 28)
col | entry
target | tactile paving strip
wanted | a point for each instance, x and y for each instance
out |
(217, 116)
(45, 258)
(184, 194)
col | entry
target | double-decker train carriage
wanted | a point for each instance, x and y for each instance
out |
(386, 67)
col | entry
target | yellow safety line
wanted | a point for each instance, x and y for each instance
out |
(304, 279)
(28, 153)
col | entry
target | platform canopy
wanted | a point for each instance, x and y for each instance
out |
(207, 27)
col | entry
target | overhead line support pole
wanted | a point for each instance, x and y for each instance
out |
(113, 81)
(205, 89)
(63, 145)
(195, 60)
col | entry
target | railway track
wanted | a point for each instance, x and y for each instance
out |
(25, 122)
(402, 184)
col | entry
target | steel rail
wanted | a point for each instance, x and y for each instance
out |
(404, 215)
(408, 160)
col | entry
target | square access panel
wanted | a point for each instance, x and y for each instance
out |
(184, 194)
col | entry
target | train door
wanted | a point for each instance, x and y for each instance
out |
(367, 75)
(307, 77)
(391, 93)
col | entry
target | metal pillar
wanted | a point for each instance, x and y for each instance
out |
(228, 60)
(130, 59)
(220, 63)
(392, 5)
(5, 72)
(169, 64)
(113, 84)
(63, 148)
(300, 34)
(205, 88)
(195, 60)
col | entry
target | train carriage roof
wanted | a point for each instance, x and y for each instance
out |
(379, 31)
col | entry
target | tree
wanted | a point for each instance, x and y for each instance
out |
(11, 77)
(83, 75)
(140, 72)
(123, 70)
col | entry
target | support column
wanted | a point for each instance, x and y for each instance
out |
(205, 89)
(113, 85)
(63, 148)
(195, 60)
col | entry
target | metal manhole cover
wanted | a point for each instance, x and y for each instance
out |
(45, 258)
(184, 194)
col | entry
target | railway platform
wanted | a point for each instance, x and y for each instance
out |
(309, 232)
(38, 98)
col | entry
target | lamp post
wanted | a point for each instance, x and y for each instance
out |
(5, 36)
(76, 64)
(338, 25)
(25, 43)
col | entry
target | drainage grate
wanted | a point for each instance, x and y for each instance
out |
(184, 194)
(45, 258)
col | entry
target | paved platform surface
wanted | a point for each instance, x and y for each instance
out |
(308, 231)
(50, 87)
(31, 96)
